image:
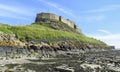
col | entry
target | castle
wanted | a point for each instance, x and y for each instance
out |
(50, 16)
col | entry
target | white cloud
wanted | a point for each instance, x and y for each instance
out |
(103, 9)
(111, 39)
(15, 9)
(104, 31)
(58, 7)
(16, 12)
(100, 10)
(92, 18)
(12, 15)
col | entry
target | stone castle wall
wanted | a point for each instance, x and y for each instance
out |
(67, 21)
(52, 16)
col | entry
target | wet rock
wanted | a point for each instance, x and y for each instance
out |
(64, 68)
(93, 66)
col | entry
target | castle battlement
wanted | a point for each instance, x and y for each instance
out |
(51, 16)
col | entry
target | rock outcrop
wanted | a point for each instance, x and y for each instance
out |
(9, 40)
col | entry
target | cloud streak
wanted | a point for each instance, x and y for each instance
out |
(58, 7)
(104, 9)
(16, 12)
(112, 39)
(15, 9)
(91, 18)
(104, 31)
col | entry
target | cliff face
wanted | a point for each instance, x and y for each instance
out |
(9, 40)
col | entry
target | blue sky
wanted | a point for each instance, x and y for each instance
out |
(96, 18)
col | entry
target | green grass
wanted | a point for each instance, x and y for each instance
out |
(5, 28)
(45, 33)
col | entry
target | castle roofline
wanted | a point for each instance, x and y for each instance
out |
(52, 16)
(46, 13)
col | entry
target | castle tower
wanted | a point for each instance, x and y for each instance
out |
(46, 16)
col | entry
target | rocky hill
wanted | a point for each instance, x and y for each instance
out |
(53, 35)
(51, 45)
(49, 31)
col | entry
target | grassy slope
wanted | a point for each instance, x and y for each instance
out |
(45, 33)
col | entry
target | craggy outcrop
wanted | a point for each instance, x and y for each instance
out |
(9, 40)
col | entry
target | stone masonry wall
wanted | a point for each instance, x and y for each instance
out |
(42, 16)
(52, 16)
(67, 21)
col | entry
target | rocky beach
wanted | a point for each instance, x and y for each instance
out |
(54, 44)
(61, 61)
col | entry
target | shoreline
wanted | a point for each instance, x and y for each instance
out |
(56, 60)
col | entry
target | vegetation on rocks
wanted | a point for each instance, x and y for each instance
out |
(44, 32)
